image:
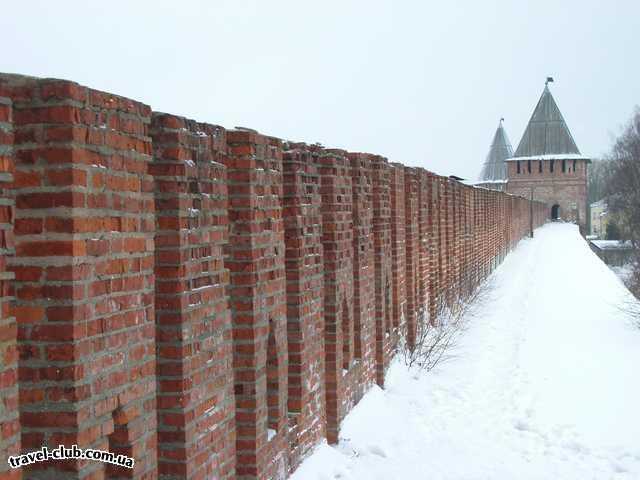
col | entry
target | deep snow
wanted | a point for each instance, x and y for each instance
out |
(545, 384)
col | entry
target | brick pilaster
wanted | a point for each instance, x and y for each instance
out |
(398, 247)
(84, 276)
(412, 218)
(433, 222)
(196, 427)
(339, 313)
(305, 300)
(255, 257)
(9, 421)
(386, 340)
(424, 245)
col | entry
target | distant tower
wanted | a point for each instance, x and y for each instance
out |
(494, 169)
(548, 165)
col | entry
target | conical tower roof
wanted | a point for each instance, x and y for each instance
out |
(494, 168)
(547, 133)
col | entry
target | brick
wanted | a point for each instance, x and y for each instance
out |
(261, 373)
(185, 201)
(305, 284)
(55, 261)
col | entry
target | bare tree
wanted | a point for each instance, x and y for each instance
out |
(596, 182)
(623, 189)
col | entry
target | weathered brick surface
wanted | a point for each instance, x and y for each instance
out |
(196, 427)
(467, 241)
(455, 259)
(360, 363)
(437, 219)
(386, 338)
(84, 276)
(412, 246)
(305, 300)
(9, 421)
(424, 244)
(398, 248)
(255, 257)
(484, 232)
(210, 302)
(432, 226)
(447, 240)
(334, 169)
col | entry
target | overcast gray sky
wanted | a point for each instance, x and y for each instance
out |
(423, 83)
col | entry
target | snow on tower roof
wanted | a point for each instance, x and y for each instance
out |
(494, 169)
(547, 134)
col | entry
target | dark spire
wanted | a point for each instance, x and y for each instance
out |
(494, 168)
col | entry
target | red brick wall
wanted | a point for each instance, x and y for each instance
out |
(337, 242)
(468, 277)
(84, 282)
(305, 287)
(210, 302)
(398, 248)
(196, 427)
(433, 221)
(439, 253)
(362, 348)
(255, 257)
(386, 339)
(9, 421)
(448, 210)
(424, 240)
(349, 297)
(456, 260)
(412, 263)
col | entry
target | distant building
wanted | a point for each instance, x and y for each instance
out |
(599, 218)
(494, 169)
(548, 165)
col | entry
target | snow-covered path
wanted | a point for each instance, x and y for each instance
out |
(545, 384)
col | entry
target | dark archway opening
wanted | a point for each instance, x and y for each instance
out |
(555, 212)
(346, 336)
(273, 383)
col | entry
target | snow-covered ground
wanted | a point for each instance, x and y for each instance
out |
(545, 384)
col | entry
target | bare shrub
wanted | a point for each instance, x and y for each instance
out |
(631, 309)
(633, 282)
(435, 338)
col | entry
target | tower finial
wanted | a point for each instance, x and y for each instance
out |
(549, 80)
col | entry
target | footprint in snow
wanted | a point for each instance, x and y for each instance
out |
(377, 450)
(522, 426)
(577, 447)
(340, 474)
(618, 468)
